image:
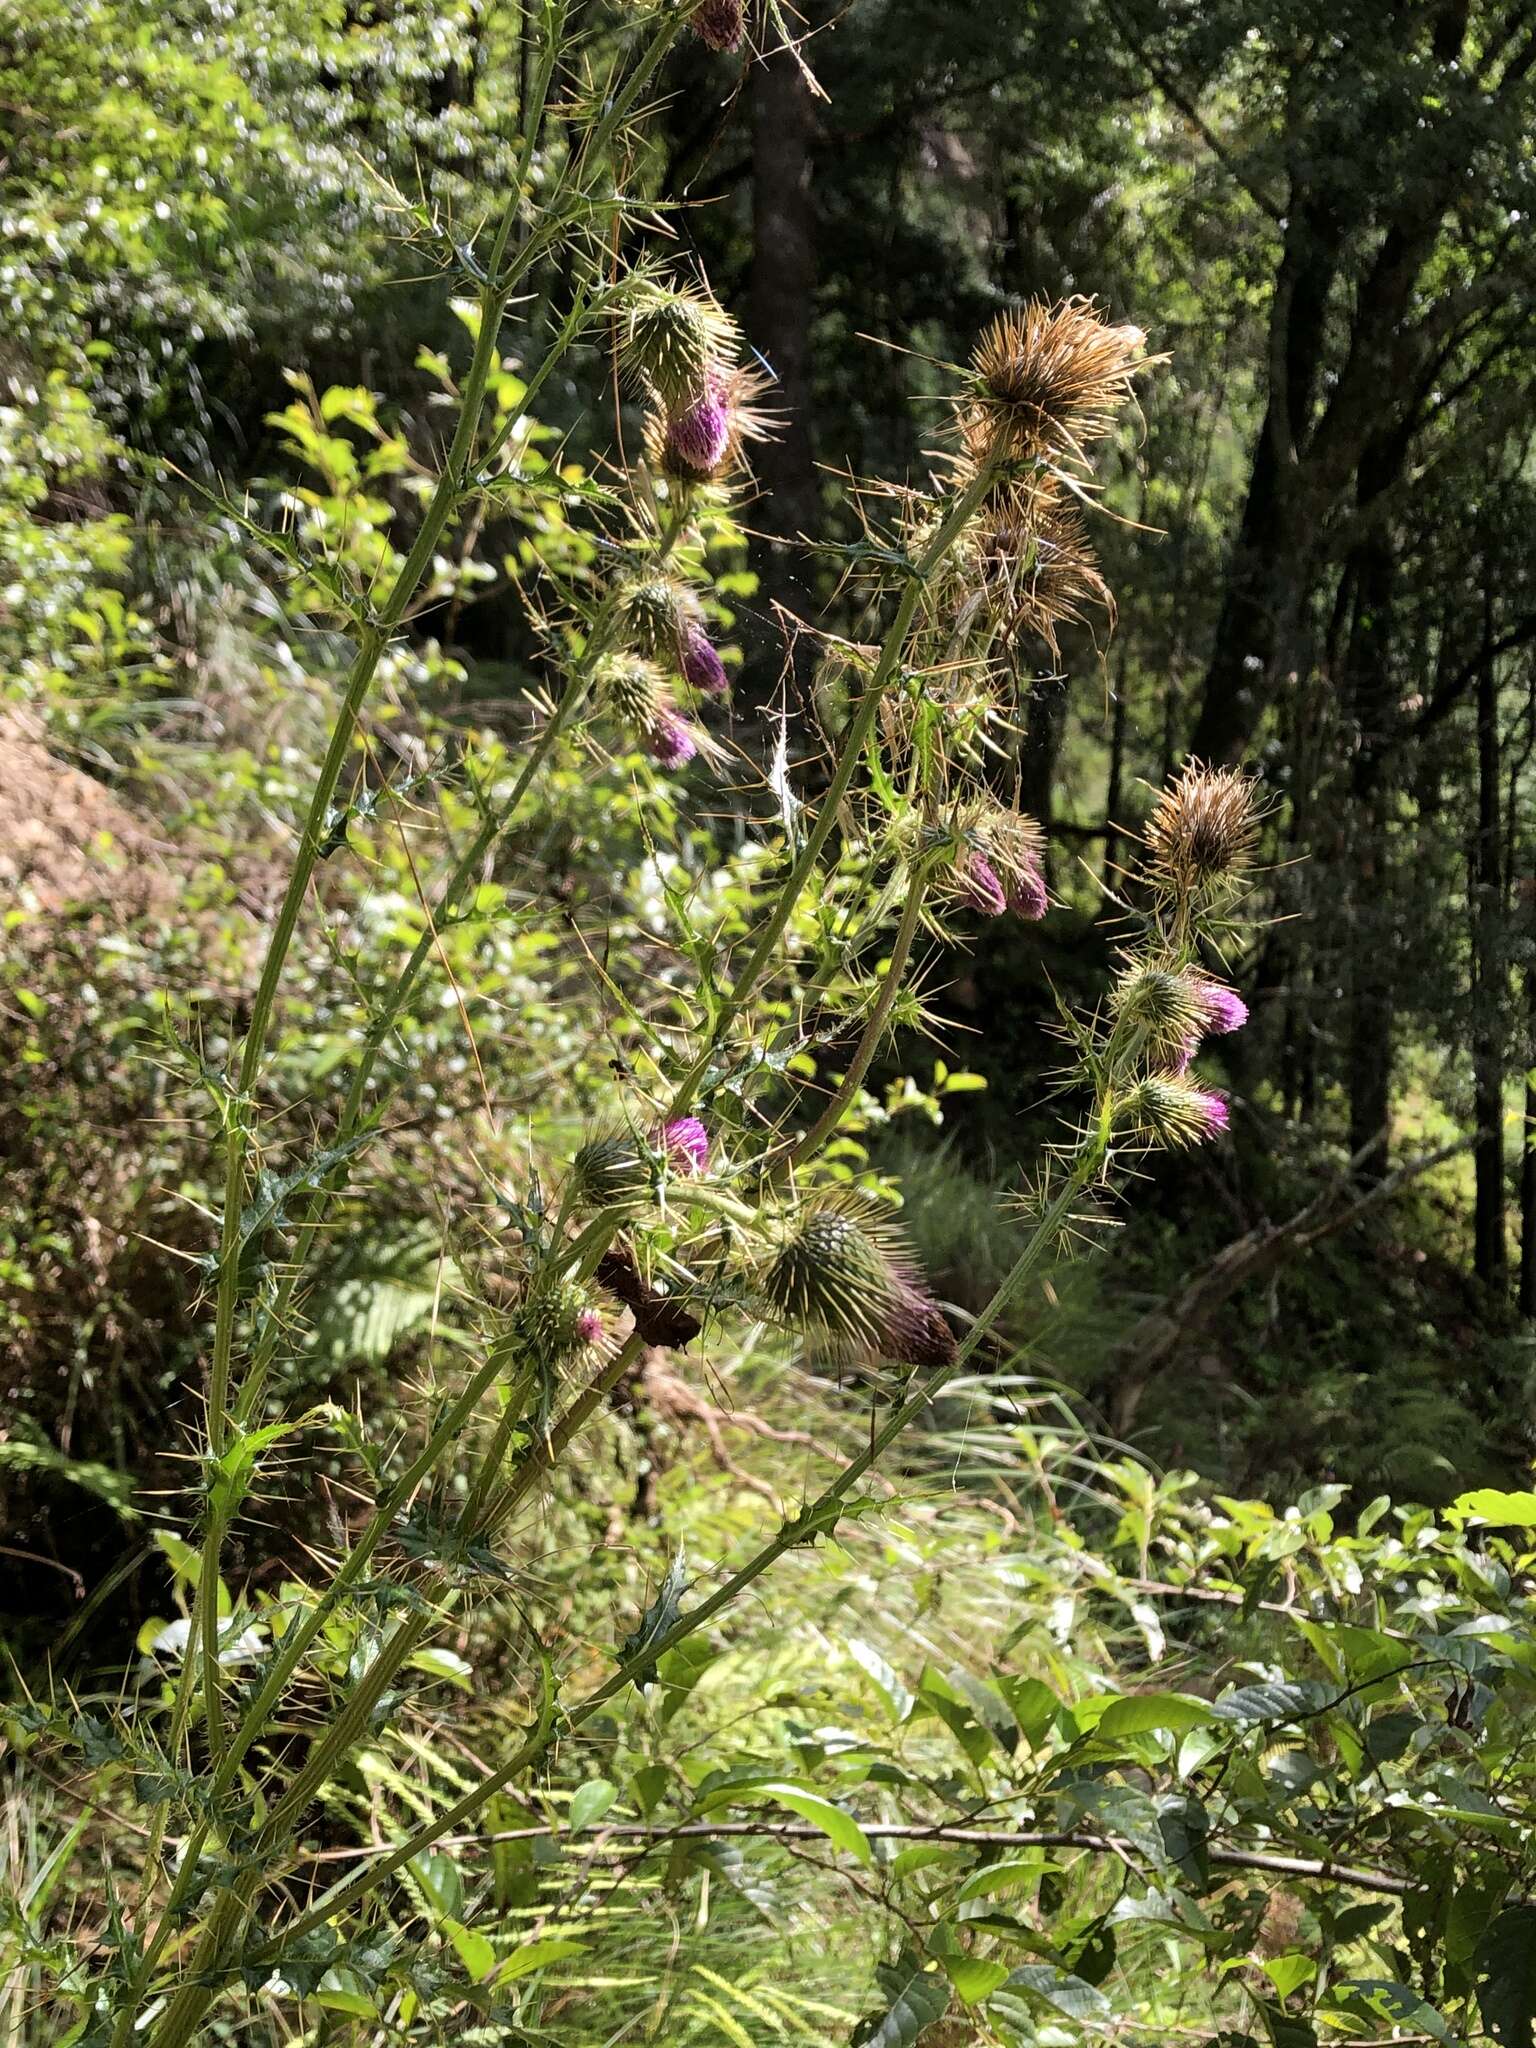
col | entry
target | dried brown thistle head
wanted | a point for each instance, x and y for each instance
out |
(1202, 833)
(1046, 379)
(1031, 558)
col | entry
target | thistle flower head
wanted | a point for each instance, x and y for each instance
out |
(1202, 834)
(686, 1143)
(1017, 847)
(609, 1172)
(839, 1270)
(719, 24)
(554, 1323)
(1026, 564)
(673, 342)
(1222, 1009)
(670, 740)
(698, 437)
(701, 439)
(978, 885)
(702, 668)
(1170, 1109)
(657, 613)
(1045, 379)
(1160, 1010)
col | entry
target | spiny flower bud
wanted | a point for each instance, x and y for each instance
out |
(720, 24)
(673, 343)
(633, 689)
(1172, 1110)
(1202, 833)
(1045, 379)
(554, 1323)
(686, 1144)
(609, 1172)
(702, 667)
(1159, 1012)
(1026, 893)
(978, 885)
(657, 613)
(1017, 847)
(836, 1271)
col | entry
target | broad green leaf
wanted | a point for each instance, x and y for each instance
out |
(838, 1826)
(1139, 1712)
(342, 1990)
(1289, 1972)
(441, 1886)
(974, 1977)
(589, 1803)
(1487, 1505)
(915, 1993)
(1072, 1995)
(1284, 1702)
(1396, 2003)
(472, 1949)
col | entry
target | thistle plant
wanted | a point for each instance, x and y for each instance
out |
(705, 1200)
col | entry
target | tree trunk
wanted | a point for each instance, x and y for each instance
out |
(1528, 1160)
(779, 316)
(1489, 1258)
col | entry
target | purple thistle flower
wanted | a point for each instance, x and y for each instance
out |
(1212, 1109)
(699, 436)
(701, 664)
(670, 742)
(1025, 893)
(1221, 1009)
(686, 1143)
(719, 24)
(589, 1325)
(979, 886)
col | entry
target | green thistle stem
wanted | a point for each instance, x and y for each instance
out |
(855, 741)
(874, 1029)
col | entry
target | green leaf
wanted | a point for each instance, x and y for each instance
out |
(1395, 2003)
(1072, 1995)
(1134, 1715)
(837, 1825)
(915, 1993)
(1506, 1972)
(437, 1878)
(1486, 1504)
(589, 1803)
(1289, 1972)
(472, 1949)
(1285, 1702)
(535, 1955)
(342, 1990)
(973, 1977)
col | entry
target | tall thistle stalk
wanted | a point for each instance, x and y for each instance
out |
(688, 1209)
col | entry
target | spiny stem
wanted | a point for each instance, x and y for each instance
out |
(874, 1029)
(855, 740)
